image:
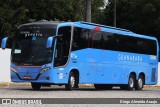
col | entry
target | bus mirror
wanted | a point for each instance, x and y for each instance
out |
(49, 42)
(4, 42)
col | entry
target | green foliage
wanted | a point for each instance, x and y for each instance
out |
(97, 13)
(140, 16)
(11, 15)
(16, 12)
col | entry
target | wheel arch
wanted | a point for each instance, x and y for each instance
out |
(76, 72)
(143, 75)
(133, 73)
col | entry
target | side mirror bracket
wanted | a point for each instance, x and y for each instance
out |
(50, 40)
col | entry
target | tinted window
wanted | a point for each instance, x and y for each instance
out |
(29, 47)
(124, 43)
(84, 38)
(80, 39)
(62, 46)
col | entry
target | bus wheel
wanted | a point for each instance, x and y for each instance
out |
(139, 83)
(36, 86)
(131, 82)
(71, 82)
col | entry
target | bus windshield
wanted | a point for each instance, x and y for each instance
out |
(29, 47)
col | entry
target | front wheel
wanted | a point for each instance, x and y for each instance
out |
(71, 82)
(36, 86)
(139, 83)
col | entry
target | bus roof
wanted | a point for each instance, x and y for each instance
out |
(43, 23)
(111, 29)
(50, 24)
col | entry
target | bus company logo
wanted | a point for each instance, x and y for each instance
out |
(124, 57)
(6, 101)
(33, 34)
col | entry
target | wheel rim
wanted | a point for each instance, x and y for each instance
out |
(140, 82)
(131, 82)
(72, 81)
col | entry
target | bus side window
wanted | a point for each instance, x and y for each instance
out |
(63, 46)
(97, 40)
(76, 36)
(80, 39)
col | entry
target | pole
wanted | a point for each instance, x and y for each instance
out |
(115, 12)
(88, 11)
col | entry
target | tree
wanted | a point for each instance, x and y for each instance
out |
(88, 10)
(140, 16)
(11, 14)
(16, 12)
(115, 10)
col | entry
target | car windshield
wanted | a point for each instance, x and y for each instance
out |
(29, 47)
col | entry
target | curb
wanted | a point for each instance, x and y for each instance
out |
(10, 84)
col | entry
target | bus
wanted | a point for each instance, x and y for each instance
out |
(46, 53)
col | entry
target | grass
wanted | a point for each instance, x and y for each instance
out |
(11, 84)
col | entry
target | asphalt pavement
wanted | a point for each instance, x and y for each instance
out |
(82, 92)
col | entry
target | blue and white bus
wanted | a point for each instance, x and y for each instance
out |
(48, 53)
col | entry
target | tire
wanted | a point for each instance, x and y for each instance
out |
(139, 83)
(131, 82)
(71, 82)
(103, 87)
(36, 86)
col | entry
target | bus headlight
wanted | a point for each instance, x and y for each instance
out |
(14, 70)
(44, 70)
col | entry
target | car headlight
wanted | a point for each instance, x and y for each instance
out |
(44, 70)
(14, 70)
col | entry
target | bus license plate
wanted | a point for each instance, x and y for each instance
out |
(27, 77)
